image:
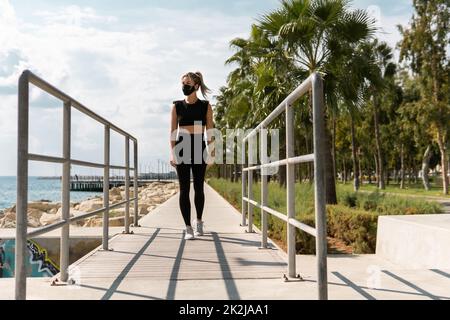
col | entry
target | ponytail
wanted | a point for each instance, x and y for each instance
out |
(205, 90)
(197, 77)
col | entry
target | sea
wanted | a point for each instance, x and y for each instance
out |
(38, 189)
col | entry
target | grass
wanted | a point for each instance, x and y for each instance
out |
(353, 221)
(410, 189)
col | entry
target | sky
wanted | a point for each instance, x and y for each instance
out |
(123, 60)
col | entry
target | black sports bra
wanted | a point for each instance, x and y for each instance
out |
(188, 113)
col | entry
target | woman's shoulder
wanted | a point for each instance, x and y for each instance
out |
(205, 102)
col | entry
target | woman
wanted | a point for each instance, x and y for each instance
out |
(192, 116)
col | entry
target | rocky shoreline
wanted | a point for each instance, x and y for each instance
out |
(43, 213)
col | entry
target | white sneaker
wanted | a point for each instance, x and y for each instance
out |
(189, 233)
(199, 228)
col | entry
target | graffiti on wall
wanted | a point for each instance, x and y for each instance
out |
(38, 262)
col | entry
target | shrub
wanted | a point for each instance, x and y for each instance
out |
(355, 227)
(354, 220)
(349, 199)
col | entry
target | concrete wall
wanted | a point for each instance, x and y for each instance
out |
(79, 247)
(416, 242)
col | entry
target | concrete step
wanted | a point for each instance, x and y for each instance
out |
(417, 241)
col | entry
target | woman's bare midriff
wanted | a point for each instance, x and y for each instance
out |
(194, 129)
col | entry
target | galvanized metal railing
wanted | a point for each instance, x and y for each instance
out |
(24, 156)
(315, 83)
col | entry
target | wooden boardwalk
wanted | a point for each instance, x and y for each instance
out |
(225, 264)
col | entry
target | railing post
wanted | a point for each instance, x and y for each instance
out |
(263, 157)
(127, 184)
(136, 186)
(22, 190)
(65, 207)
(106, 157)
(319, 186)
(250, 185)
(244, 174)
(290, 197)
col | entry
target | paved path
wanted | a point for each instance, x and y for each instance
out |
(156, 263)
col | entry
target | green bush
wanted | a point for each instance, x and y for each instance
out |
(353, 220)
(349, 199)
(355, 227)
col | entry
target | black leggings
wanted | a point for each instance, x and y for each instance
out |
(198, 167)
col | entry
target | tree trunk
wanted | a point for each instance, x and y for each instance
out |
(361, 176)
(415, 174)
(333, 146)
(354, 158)
(426, 167)
(308, 165)
(344, 175)
(298, 172)
(330, 181)
(442, 149)
(376, 168)
(402, 168)
(378, 147)
(282, 169)
(410, 175)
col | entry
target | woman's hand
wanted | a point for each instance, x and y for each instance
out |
(210, 160)
(173, 162)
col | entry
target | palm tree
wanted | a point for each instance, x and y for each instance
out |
(259, 82)
(381, 80)
(313, 33)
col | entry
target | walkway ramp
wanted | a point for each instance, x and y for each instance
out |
(157, 263)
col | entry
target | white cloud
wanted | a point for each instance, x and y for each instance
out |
(74, 15)
(387, 24)
(128, 77)
(129, 74)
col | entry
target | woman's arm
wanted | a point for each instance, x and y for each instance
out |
(210, 125)
(173, 128)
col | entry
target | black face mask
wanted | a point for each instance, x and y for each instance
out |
(187, 89)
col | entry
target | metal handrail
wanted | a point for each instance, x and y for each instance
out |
(315, 83)
(24, 156)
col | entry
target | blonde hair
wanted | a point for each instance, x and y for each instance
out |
(197, 78)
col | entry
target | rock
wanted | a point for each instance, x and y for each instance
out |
(34, 216)
(93, 222)
(158, 200)
(73, 212)
(43, 213)
(48, 219)
(12, 209)
(7, 224)
(10, 216)
(116, 199)
(143, 208)
(114, 192)
(119, 221)
(34, 223)
(43, 206)
(90, 205)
